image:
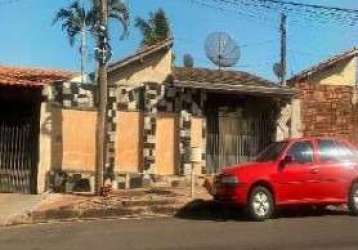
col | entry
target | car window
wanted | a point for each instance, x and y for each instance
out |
(334, 151)
(302, 152)
(272, 152)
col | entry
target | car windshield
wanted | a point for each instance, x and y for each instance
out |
(272, 152)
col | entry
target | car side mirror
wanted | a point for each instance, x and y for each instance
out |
(286, 160)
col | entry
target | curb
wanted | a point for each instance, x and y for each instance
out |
(53, 215)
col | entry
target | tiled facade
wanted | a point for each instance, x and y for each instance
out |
(149, 98)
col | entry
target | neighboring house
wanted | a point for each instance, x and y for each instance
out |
(328, 97)
(157, 114)
(21, 97)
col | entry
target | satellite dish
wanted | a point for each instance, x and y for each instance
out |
(222, 50)
(277, 69)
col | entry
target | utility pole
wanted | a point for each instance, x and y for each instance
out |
(283, 31)
(102, 57)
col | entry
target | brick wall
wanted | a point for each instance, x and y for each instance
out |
(329, 110)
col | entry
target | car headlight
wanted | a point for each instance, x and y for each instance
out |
(229, 180)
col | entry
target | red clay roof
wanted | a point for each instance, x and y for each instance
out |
(31, 77)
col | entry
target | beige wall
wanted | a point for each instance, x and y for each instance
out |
(155, 68)
(167, 144)
(45, 141)
(78, 140)
(129, 142)
(197, 138)
(343, 73)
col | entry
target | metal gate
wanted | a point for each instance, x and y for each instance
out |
(233, 138)
(18, 149)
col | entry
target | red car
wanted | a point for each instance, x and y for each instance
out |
(307, 171)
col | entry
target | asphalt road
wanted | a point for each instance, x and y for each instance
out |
(326, 232)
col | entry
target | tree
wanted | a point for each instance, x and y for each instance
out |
(102, 11)
(188, 61)
(75, 22)
(155, 29)
(75, 19)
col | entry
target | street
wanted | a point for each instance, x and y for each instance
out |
(312, 232)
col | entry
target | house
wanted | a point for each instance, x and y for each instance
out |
(328, 97)
(157, 114)
(21, 145)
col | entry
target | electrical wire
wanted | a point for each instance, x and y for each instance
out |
(318, 13)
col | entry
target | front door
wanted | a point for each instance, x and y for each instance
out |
(297, 181)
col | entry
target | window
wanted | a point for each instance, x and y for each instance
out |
(302, 152)
(272, 152)
(334, 151)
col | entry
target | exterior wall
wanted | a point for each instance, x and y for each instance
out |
(78, 134)
(329, 111)
(45, 141)
(129, 142)
(343, 73)
(197, 139)
(155, 68)
(167, 144)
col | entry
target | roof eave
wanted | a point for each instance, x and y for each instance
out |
(140, 55)
(323, 65)
(237, 88)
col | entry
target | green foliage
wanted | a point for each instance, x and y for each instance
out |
(155, 29)
(74, 20)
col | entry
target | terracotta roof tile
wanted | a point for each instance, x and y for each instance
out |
(31, 77)
(204, 75)
(225, 80)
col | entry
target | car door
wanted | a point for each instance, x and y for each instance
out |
(296, 181)
(336, 169)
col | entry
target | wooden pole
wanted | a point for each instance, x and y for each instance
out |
(102, 107)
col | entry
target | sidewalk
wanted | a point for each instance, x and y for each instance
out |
(16, 207)
(138, 203)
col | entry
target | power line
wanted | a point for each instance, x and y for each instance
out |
(318, 13)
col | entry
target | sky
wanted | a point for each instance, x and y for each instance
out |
(29, 39)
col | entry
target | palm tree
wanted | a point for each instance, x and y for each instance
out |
(95, 21)
(75, 22)
(155, 29)
(103, 11)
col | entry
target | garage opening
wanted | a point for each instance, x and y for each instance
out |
(19, 139)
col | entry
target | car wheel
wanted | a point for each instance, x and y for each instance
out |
(353, 200)
(261, 205)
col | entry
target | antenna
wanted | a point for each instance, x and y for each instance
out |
(222, 50)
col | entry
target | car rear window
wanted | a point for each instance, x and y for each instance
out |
(334, 151)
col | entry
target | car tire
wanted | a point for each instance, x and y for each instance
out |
(353, 200)
(261, 205)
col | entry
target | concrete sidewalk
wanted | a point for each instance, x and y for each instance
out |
(16, 206)
(138, 203)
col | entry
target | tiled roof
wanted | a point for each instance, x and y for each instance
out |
(225, 80)
(325, 64)
(143, 52)
(31, 77)
(219, 76)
